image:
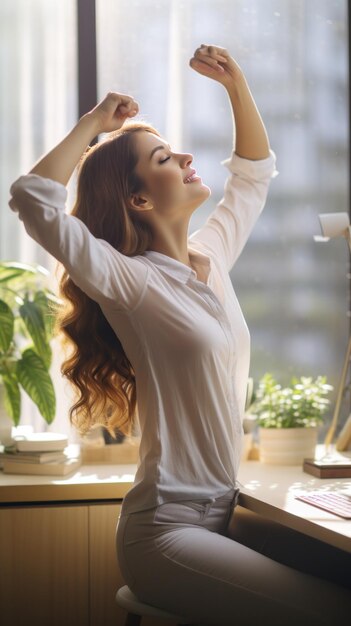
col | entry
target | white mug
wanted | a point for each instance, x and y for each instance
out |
(334, 224)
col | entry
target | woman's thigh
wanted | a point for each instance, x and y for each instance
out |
(177, 557)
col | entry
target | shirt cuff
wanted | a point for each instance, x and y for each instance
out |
(44, 190)
(257, 170)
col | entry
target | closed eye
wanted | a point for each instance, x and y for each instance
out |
(164, 160)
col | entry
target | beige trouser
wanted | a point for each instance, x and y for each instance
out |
(189, 558)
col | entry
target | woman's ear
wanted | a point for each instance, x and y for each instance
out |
(140, 203)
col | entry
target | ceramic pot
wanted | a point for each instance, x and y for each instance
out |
(287, 446)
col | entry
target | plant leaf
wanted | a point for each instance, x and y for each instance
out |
(6, 326)
(32, 316)
(45, 303)
(12, 397)
(12, 270)
(16, 277)
(36, 381)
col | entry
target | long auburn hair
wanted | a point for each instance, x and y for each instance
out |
(102, 376)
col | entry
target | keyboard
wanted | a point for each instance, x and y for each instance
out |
(336, 503)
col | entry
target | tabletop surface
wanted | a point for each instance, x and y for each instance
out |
(268, 490)
(271, 491)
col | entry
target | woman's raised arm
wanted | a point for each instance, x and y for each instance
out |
(251, 140)
(39, 198)
(251, 164)
(108, 115)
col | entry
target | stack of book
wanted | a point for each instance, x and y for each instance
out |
(39, 453)
(335, 467)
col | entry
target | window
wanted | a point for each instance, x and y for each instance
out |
(293, 292)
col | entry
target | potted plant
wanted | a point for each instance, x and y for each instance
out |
(288, 417)
(26, 327)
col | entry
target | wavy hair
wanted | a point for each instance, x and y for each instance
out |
(97, 367)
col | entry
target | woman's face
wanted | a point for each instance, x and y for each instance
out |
(168, 189)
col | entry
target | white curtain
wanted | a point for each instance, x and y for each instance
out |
(38, 86)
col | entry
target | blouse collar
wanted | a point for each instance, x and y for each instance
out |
(175, 268)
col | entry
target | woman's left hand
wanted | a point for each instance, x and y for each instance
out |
(215, 62)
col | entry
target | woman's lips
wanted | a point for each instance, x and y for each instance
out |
(191, 177)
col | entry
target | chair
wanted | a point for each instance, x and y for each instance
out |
(126, 599)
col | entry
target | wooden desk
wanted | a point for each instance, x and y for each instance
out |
(89, 483)
(270, 491)
(57, 536)
(266, 489)
(57, 546)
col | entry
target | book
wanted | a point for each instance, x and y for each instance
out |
(33, 457)
(41, 442)
(339, 468)
(50, 469)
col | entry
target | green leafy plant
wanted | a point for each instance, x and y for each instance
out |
(27, 310)
(302, 404)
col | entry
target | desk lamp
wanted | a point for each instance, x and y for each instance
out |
(338, 225)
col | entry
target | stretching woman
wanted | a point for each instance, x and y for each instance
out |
(152, 316)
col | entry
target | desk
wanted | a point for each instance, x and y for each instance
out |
(57, 546)
(266, 489)
(62, 532)
(88, 483)
(270, 491)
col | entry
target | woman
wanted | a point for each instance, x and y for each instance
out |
(152, 316)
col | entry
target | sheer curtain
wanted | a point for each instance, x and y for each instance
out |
(38, 85)
(293, 292)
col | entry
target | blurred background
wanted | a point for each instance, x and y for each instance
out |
(293, 291)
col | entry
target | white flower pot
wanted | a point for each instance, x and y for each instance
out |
(6, 422)
(287, 446)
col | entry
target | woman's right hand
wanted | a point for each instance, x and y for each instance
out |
(108, 115)
(111, 113)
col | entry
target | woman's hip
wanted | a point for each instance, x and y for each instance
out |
(166, 529)
(210, 513)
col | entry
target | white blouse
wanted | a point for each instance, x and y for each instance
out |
(182, 330)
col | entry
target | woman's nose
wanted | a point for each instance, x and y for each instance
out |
(187, 158)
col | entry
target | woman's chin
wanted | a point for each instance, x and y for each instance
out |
(203, 192)
(202, 196)
(206, 190)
